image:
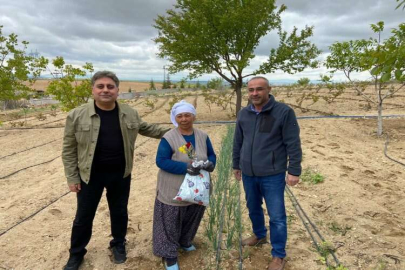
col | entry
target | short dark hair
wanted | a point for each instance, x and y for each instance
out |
(260, 77)
(105, 74)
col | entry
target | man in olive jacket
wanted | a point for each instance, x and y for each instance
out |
(266, 146)
(98, 150)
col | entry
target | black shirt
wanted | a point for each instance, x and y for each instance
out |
(109, 154)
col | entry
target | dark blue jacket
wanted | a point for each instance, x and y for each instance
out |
(265, 142)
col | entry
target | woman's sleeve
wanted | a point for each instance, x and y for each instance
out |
(164, 159)
(210, 152)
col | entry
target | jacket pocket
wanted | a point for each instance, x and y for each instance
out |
(132, 132)
(267, 123)
(82, 134)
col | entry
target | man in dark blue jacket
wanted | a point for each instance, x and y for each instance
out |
(266, 146)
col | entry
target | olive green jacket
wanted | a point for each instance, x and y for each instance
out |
(81, 134)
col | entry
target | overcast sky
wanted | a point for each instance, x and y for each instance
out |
(117, 35)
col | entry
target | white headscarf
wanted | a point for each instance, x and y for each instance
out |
(181, 107)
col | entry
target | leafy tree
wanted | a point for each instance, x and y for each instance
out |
(182, 84)
(16, 67)
(215, 83)
(66, 86)
(198, 85)
(384, 60)
(303, 82)
(152, 85)
(400, 4)
(167, 83)
(205, 36)
(325, 78)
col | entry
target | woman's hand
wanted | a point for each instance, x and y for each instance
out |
(191, 170)
(208, 166)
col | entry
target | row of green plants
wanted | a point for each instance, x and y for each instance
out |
(224, 223)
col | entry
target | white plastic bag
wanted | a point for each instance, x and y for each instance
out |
(195, 189)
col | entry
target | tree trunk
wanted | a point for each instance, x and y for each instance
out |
(379, 119)
(377, 87)
(238, 90)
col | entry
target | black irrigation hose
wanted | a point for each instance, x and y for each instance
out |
(45, 123)
(310, 117)
(385, 152)
(42, 208)
(29, 149)
(303, 118)
(300, 210)
(233, 121)
(8, 175)
(4, 177)
(33, 128)
(33, 214)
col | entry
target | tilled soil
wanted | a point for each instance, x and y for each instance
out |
(358, 208)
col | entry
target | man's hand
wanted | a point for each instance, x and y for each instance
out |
(292, 180)
(238, 174)
(191, 170)
(75, 187)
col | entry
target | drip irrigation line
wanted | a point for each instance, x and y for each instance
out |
(29, 149)
(308, 109)
(350, 116)
(33, 128)
(385, 152)
(42, 208)
(6, 176)
(45, 123)
(30, 216)
(233, 121)
(300, 210)
(306, 117)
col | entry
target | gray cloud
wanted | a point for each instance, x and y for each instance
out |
(118, 34)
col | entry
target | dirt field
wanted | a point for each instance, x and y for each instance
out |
(359, 207)
(124, 85)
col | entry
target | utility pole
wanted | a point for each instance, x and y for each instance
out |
(164, 77)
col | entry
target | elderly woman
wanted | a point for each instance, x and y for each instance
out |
(175, 223)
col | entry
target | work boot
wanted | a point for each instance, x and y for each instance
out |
(276, 264)
(119, 253)
(253, 241)
(73, 263)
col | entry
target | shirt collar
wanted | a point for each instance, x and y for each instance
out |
(252, 107)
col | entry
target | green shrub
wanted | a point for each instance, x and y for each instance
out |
(311, 176)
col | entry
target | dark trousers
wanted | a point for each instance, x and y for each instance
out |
(174, 227)
(87, 201)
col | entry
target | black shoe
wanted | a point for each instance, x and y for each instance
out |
(120, 255)
(73, 263)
